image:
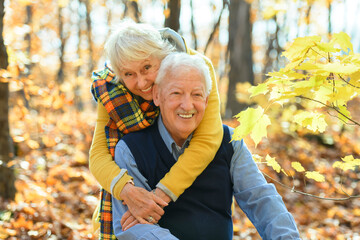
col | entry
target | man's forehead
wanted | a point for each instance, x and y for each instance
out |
(182, 78)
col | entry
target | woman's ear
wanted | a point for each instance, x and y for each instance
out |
(156, 97)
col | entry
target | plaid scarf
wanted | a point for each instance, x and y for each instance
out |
(128, 113)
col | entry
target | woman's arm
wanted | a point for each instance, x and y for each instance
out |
(203, 146)
(101, 163)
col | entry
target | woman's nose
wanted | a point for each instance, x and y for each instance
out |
(141, 81)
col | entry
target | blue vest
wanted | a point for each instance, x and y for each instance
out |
(203, 211)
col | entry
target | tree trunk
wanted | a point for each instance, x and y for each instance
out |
(173, 19)
(7, 177)
(28, 38)
(240, 53)
(60, 74)
(89, 36)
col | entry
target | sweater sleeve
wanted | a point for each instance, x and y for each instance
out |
(101, 164)
(203, 146)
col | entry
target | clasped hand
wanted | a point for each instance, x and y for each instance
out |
(144, 207)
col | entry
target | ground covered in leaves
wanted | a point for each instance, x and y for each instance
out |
(56, 194)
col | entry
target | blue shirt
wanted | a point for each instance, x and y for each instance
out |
(258, 199)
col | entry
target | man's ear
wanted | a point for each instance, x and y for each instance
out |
(156, 96)
(206, 101)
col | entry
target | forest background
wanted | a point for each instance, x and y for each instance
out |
(49, 49)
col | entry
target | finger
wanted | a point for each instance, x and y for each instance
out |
(157, 209)
(159, 201)
(133, 223)
(156, 217)
(142, 220)
(127, 223)
(126, 215)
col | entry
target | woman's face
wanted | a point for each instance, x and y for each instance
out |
(139, 76)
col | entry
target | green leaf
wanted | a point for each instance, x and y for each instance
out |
(271, 162)
(315, 175)
(253, 122)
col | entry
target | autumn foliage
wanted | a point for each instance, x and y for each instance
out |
(302, 125)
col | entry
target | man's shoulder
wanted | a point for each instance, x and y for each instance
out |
(229, 129)
(141, 134)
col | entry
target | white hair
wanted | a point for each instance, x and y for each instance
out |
(176, 61)
(130, 41)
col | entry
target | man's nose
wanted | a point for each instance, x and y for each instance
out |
(187, 103)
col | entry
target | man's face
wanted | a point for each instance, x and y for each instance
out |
(182, 101)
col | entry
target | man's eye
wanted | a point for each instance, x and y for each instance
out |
(147, 67)
(127, 74)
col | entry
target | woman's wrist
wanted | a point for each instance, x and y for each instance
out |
(161, 194)
(126, 189)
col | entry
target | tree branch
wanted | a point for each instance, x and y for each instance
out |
(332, 107)
(308, 194)
(347, 82)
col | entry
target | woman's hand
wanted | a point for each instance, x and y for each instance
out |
(144, 206)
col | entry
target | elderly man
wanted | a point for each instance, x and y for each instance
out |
(204, 210)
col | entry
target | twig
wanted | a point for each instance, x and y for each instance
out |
(308, 194)
(332, 107)
(347, 82)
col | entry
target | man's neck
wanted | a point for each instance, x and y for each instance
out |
(178, 142)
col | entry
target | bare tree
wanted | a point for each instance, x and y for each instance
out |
(7, 176)
(240, 53)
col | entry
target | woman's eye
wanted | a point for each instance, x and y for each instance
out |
(147, 67)
(127, 74)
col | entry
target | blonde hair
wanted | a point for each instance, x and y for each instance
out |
(130, 41)
(175, 61)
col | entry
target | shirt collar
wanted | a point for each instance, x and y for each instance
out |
(168, 140)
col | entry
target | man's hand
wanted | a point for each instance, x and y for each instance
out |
(144, 206)
(128, 221)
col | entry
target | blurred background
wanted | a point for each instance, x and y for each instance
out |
(47, 115)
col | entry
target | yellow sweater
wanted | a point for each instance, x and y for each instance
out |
(201, 151)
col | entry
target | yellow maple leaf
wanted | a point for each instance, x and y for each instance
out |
(315, 176)
(312, 121)
(339, 68)
(298, 167)
(327, 47)
(344, 114)
(348, 163)
(343, 40)
(300, 47)
(271, 162)
(252, 121)
(261, 88)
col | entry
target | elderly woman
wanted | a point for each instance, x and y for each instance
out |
(124, 94)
